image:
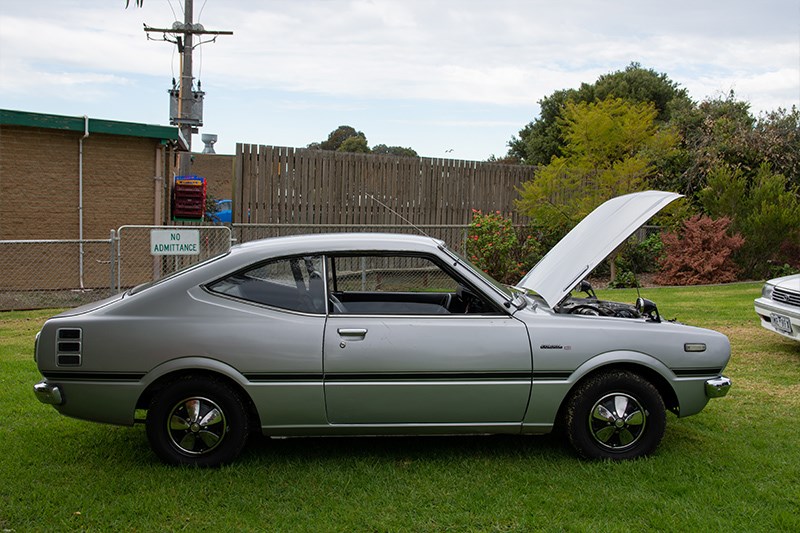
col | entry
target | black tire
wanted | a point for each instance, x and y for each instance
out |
(197, 421)
(615, 415)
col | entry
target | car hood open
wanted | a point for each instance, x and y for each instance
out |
(590, 242)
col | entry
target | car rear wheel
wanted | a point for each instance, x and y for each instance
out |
(197, 421)
(615, 415)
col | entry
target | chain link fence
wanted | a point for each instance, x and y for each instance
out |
(41, 274)
(36, 274)
(390, 274)
(374, 273)
(141, 257)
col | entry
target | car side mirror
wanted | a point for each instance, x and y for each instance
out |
(648, 308)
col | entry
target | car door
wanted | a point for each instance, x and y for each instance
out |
(408, 343)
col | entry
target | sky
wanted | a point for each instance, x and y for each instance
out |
(448, 78)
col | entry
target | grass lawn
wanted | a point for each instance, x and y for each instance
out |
(735, 466)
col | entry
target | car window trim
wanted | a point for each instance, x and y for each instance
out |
(258, 264)
(501, 310)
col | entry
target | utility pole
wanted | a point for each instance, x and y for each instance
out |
(186, 102)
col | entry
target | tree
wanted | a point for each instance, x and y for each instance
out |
(637, 84)
(764, 209)
(382, 149)
(776, 137)
(540, 140)
(336, 138)
(356, 144)
(348, 139)
(714, 133)
(504, 160)
(720, 133)
(610, 149)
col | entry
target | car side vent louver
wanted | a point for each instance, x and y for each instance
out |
(68, 347)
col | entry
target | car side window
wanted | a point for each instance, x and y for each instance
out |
(398, 285)
(293, 283)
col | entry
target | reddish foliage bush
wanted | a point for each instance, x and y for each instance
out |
(699, 253)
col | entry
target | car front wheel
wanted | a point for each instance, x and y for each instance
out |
(615, 415)
(197, 421)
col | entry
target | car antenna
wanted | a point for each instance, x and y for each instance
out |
(438, 244)
(401, 217)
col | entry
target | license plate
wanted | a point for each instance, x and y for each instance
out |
(781, 323)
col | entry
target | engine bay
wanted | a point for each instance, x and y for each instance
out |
(592, 306)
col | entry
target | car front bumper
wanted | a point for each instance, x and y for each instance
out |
(766, 308)
(48, 394)
(718, 387)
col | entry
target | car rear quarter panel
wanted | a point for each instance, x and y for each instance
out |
(167, 332)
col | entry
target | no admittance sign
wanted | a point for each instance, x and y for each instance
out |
(174, 242)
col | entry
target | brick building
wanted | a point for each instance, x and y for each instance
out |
(76, 178)
(218, 169)
(56, 170)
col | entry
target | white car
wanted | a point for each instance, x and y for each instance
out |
(779, 306)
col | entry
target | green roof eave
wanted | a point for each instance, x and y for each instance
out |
(110, 127)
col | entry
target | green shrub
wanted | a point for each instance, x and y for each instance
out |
(636, 257)
(764, 209)
(643, 256)
(494, 246)
(779, 271)
(624, 279)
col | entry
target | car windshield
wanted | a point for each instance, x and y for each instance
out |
(144, 286)
(503, 289)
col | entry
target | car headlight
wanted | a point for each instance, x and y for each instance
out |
(766, 291)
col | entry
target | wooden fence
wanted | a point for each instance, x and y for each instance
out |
(278, 185)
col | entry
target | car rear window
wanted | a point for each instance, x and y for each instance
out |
(293, 283)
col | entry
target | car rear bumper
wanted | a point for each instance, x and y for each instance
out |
(718, 387)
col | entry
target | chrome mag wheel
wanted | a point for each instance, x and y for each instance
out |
(617, 421)
(196, 425)
(616, 415)
(199, 421)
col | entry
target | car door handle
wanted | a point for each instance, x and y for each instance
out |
(350, 333)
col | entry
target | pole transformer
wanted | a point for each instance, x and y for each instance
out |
(186, 101)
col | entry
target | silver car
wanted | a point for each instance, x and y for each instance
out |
(373, 334)
(779, 306)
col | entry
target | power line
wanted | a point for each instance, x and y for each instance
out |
(186, 102)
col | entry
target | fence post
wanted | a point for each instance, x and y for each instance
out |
(119, 259)
(112, 263)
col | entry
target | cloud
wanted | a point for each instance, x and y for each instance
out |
(336, 58)
(510, 53)
(507, 52)
(18, 78)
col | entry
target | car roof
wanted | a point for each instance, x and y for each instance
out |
(337, 243)
(253, 252)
